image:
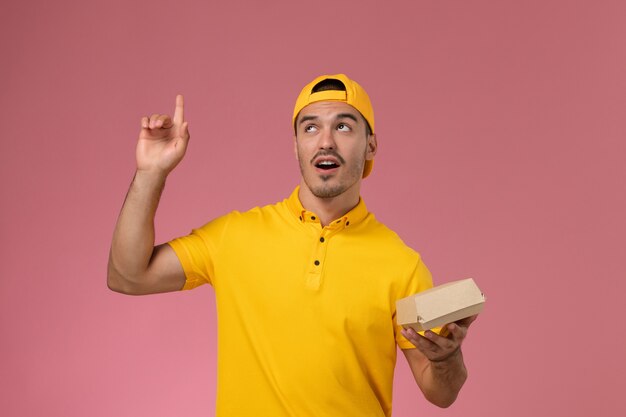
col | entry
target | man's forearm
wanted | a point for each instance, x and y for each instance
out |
(133, 238)
(443, 379)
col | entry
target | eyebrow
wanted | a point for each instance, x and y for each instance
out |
(339, 116)
(347, 116)
(305, 118)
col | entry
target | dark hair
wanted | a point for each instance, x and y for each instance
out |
(329, 84)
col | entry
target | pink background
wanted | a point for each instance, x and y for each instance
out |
(502, 146)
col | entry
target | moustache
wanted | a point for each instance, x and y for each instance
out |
(328, 153)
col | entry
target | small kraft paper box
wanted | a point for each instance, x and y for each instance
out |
(440, 305)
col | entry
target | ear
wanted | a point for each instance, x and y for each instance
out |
(372, 147)
(295, 146)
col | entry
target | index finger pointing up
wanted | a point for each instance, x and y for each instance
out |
(178, 112)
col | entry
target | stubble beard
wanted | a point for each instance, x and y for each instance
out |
(328, 190)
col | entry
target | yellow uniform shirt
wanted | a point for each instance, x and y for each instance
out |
(306, 315)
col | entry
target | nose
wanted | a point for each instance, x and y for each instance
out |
(327, 139)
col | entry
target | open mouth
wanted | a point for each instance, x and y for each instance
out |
(327, 161)
(326, 165)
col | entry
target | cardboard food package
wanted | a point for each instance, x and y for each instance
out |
(440, 305)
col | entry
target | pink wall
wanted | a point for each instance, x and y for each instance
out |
(502, 147)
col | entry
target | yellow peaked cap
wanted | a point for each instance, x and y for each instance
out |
(354, 95)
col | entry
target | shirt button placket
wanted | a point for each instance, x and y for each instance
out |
(314, 277)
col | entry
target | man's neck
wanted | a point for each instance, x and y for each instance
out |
(329, 209)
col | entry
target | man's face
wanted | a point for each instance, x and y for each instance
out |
(332, 145)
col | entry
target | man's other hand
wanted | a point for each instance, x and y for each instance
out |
(438, 348)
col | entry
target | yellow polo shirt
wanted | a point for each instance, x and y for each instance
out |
(306, 314)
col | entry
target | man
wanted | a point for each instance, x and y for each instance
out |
(305, 288)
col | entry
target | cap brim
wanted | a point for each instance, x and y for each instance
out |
(367, 169)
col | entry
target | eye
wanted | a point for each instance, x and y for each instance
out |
(342, 127)
(310, 128)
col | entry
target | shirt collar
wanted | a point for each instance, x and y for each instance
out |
(351, 218)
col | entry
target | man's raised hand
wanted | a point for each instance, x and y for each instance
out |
(162, 141)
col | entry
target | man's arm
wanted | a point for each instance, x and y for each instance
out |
(135, 265)
(437, 362)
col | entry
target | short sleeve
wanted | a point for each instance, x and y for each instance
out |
(420, 279)
(198, 251)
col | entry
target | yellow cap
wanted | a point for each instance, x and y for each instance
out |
(354, 95)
